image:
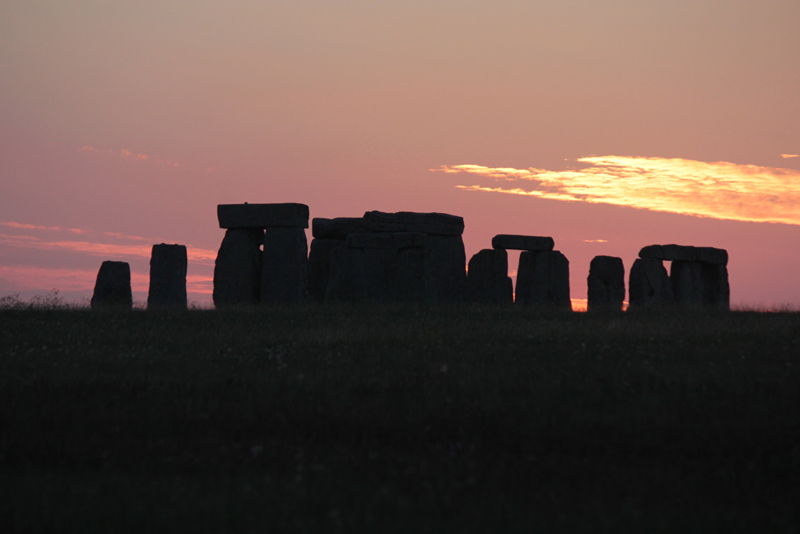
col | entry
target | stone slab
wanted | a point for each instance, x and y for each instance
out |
(715, 256)
(387, 240)
(649, 284)
(487, 278)
(112, 289)
(606, 284)
(167, 277)
(319, 266)
(338, 228)
(523, 242)
(347, 280)
(284, 275)
(447, 261)
(237, 270)
(543, 280)
(406, 221)
(262, 215)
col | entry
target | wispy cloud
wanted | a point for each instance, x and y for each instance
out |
(125, 154)
(786, 156)
(720, 190)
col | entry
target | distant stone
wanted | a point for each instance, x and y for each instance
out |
(284, 275)
(237, 270)
(406, 221)
(606, 283)
(669, 252)
(167, 277)
(697, 284)
(717, 289)
(543, 280)
(112, 289)
(523, 242)
(338, 228)
(487, 278)
(262, 215)
(319, 266)
(448, 261)
(347, 281)
(649, 284)
(387, 240)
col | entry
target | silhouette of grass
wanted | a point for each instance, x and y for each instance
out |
(398, 419)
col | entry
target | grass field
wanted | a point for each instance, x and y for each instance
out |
(398, 419)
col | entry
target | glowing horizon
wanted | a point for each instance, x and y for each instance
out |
(720, 190)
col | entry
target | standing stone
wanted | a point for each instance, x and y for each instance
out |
(414, 279)
(687, 282)
(167, 276)
(606, 283)
(448, 262)
(237, 270)
(487, 278)
(649, 285)
(716, 286)
(319, 266)
(347, 280)
(284, 275)
(113, 286)
(543, 280)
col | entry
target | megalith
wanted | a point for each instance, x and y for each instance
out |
(346, 280)
(648, 284)
(237, 270)
(406, 221)
(112, 289)
(606, 283)
(284, 274)
(337, 228)
(698, 275)
(487, 278)
(262, 215)
(543, 280)
(448, 260)
(523, 242)
(167, 277)
(319, 266)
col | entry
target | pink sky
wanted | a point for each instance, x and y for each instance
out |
(606, 125)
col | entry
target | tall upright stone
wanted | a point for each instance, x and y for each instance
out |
(649, 284)
(606, 283)
(487, 278)
(347, 280)
(237, 270)
(112, 289)
(284, 275)
(448, 261)
(167, 277)
(319, 266)
(543, 280)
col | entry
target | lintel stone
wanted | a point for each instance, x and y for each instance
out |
(262, 215)
(337, 228)
(406, 221)
(523, 242)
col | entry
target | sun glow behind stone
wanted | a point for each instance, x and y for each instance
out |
(720, 190)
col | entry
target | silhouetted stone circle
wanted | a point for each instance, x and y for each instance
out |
(112, 289)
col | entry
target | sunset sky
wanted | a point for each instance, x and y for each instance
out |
(608, 125)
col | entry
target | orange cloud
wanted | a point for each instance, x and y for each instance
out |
(785, 156)
(719, 190)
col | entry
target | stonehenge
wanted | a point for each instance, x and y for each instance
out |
(606, 284)
(487, 277)
(698, 277)
(167, 277)
(112, 289)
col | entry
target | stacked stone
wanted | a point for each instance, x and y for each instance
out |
(606, 284)
(698, 277)
(543, 273)
(112, 289)
(400, 256)
(246, 274)
(167, 277)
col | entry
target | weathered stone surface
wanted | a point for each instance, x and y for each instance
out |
(448, 261)
(711, 255)
(606, 283)
(715, 256)
(387, 240)
(523, 242)
(262, 215)
(167, 276)
(487, 278)
(112, 289)
(347, 280)
(700, 284)
(406, 221)
(543, 280)
(319, 266)
(284, 276)
(338, 228)
(237, 271)
(649, 285)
